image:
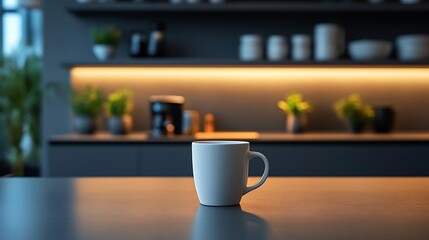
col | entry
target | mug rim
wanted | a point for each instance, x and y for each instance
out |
(219, 142)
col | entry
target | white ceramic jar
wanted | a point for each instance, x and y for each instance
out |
(413, 47)
(301, 47)
(251, 47)
(277, 48)
(329, 41)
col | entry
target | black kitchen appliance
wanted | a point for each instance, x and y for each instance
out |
(166, 113)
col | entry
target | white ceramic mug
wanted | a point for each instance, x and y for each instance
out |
(221, 169)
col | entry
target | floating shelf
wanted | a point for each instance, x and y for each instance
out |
(129, 7)
(189, 62)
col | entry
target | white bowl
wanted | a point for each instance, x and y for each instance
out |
(362, 50)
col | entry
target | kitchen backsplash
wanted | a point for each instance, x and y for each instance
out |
(242, 103)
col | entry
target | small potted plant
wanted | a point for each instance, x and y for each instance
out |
(295, 108)
(118, 108)
(105, 40)
(354, 111)
(86, 105)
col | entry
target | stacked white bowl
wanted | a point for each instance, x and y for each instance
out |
(413, 47)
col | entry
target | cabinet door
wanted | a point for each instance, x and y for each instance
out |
(70, 160)
(345, 159)
(165, 159)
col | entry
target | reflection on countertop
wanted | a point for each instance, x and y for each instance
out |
(263, 137)
(214, 223)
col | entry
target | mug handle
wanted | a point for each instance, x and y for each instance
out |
(264, 175)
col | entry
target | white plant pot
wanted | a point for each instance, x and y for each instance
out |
(103, 52)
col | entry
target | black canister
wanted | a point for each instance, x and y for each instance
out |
(383, 119)
(138, 44)
(166, 113)
(155, 46)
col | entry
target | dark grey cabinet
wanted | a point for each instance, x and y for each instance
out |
(165, 159)
(286, 159)
(344, 159)
(95, 159)
(92, 160)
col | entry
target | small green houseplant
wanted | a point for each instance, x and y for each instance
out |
(295, 108)
(86, 105)
(105, 40)
(354, 112)
(118, 108)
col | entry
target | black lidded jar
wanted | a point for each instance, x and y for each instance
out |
(138, 43)
(156, 39)
(383, 119)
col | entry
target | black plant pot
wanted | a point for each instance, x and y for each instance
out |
(85, 124)
(356, 126)
(383, 120)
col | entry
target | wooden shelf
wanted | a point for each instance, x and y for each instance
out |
(188, 62)
(129, 7)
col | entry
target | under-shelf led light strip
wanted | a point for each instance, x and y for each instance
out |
(251, 75)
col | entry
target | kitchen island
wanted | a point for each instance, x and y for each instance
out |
(168, 208)
(309, 154)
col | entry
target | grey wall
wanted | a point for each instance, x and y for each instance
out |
(216, 35)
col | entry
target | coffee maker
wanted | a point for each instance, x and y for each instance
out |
(166, 111)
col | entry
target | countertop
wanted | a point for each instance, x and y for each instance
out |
(261, 137)
(168, 208)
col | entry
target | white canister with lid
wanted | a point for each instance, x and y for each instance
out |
(277, 48)
(413, 47)
(301, 47)
(251, 47)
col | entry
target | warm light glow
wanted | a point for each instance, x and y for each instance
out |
(251, 75)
